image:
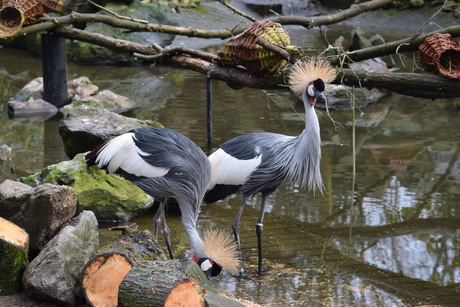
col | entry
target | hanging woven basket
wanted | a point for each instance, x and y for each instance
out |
(243, 49)
(14, 14)
(440, 54)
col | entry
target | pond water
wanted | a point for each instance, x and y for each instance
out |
(385, 237)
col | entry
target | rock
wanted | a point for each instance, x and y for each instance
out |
(86, 53)
(110, 197)
(54, 275)
(359, 41)
(105, 100)
(48, 208)
(80, 88)
(83, 128)
(38, 110)
(338, 97)
(31, 91)
(7, 167)
(13, 197)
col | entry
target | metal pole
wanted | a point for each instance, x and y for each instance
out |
(209, 111)
(54, 62)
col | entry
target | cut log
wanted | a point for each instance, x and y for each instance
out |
(102, 277)
(103, 274)
(158, 283)
(14, 244)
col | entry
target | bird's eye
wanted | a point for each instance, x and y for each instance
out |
(311, 90)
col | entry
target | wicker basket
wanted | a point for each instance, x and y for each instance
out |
(52, 6)
(243, 49)
(440, 54)
(14, 14)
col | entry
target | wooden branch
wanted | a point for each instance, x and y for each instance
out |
(235, 10)
(425, 85)
(236, 78)
(104, 41)
(354, 10)
(275, 49)
(48, 23)
(403, 45)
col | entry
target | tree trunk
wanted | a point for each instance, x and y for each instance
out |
(158, 283)
(14, 244)
(102, 275)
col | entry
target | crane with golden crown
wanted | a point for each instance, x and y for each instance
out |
(165, 164)
(261, 162)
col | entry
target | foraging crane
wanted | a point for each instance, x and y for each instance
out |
(164, 164)
(260, 162)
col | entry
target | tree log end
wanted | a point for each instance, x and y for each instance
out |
(13, 234)
(187, 292)
(102, 278)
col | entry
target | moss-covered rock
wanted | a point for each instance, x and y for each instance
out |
(110, 197)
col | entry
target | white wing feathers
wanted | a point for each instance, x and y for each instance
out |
(229, 170)
(122, 152)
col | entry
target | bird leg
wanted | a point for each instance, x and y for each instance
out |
(236, 230)
(236, 222)
(259, 231)
(160, 220)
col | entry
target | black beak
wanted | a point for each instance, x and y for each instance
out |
(320, 97)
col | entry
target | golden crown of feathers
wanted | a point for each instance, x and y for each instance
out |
(307, 70)
(221, 248)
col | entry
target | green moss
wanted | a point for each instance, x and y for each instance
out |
(13, 262)
(108, 196)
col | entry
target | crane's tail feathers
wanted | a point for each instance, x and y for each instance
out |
(221, 248)
(308, 70)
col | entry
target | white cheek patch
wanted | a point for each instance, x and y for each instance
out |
(206, 265)
(310, 90)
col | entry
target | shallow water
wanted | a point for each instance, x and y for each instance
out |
(389, 240)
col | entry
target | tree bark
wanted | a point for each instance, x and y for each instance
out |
(159, 283)
(425, 85)
(103, 274)
(14, 244)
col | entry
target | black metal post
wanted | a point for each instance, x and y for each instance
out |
(209, 111)
(54, 62)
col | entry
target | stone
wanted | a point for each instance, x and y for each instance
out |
(81, 88)
(105, 99)
(7, 167)
(48, 208)
(38, 110)
(83, 128)
(110, 197)
(13, 197)
(54, 275)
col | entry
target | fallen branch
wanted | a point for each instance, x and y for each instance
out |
(354, 10)
(403, 45)
(49, 23)
(412, 84)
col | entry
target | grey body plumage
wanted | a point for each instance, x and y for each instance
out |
(261, 162)
(165, 164)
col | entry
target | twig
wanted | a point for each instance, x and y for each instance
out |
(234, 9)
(275, 49)
(115, 14)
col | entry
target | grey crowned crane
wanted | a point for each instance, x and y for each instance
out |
(165, 164)
(260, 162)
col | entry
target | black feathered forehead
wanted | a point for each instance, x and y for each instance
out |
(319, 85)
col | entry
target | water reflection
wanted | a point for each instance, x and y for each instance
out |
(393, 242)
